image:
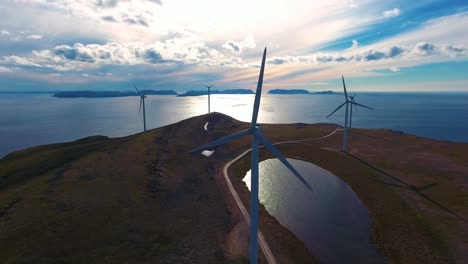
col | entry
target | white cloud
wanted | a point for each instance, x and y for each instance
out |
(80, 56)
(392, 12)
(394, 69)
(19, 61)
(238, 47)
(34, 37)
(4, 32)
(209, 32)
(424, 49)
(85, 75)
(354, 45)
(454, 50)
(4, 69)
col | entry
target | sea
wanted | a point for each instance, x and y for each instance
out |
(28, 120)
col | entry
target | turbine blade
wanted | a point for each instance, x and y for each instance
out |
(138, 91)
(338, 108)
(355, 106)
(222, 140)
(139, 109)
(354, 103)
(278, 154)
(209, 86)
(344, 87)
(258, 93)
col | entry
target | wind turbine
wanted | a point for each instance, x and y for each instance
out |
(348, 103)
(255, 132)
(209, 96)
(142, 101)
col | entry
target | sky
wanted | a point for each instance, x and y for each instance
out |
(50, 45)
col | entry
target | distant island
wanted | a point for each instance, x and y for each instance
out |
(297, 91)
(205, 92)
(101, 94)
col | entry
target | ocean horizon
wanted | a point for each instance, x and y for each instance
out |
(31, 119)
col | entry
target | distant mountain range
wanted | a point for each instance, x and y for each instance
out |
(297, 91)
(104, 94)
(100, 94)
(205, 92)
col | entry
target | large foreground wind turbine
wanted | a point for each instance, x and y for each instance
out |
(348, 103)
(255, 132)
(208, 87)
(142, 102)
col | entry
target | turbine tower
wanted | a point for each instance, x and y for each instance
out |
(348, 103)
(142, 102)
(208, 87)
(351, 112)
(255, 132)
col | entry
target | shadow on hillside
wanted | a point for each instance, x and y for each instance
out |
(402, 184)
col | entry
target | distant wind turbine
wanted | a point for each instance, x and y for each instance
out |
(348, 103)
(208, 87)
(255, 132)
(142, 102)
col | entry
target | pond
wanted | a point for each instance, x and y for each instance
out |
(331, 221)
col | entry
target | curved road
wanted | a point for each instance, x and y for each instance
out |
(261, 239)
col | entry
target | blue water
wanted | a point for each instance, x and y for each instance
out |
(29, 120)
(331, 221)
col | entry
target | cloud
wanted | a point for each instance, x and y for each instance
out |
(136, 21)
(369, 55)
(238, 47)
(373, 55)
(19, 61)
(453, 51)
(109, 19)
(114, 3)
(152, 56)
(4, 32)
(159, 2)
(232, 46)
(34, 37)
(78, 52)
(4, 69)
(424, 49)
(80, 56)
(282, 60)
(85, 75)
(107, 3)
(394, 69)
(354, 45)
(391, 13)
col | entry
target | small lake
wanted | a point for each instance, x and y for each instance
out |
(331, 220)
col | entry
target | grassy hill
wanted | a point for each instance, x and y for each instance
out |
(144, 199)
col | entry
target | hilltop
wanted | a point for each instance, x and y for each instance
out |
(144, 199)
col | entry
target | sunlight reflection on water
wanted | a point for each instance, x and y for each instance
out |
(331, 220)
(31, 119)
